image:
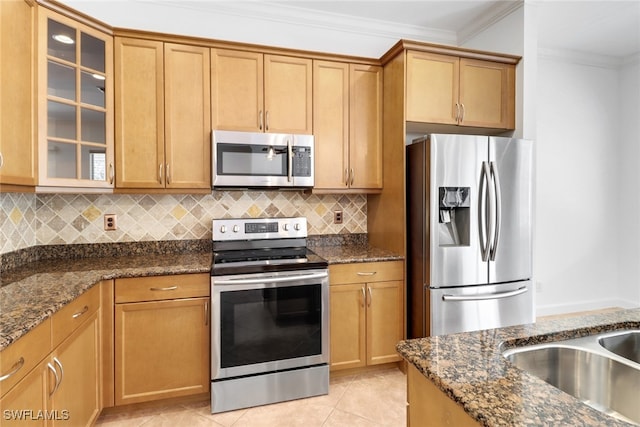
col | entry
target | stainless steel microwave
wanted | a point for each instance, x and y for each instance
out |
(257, 160)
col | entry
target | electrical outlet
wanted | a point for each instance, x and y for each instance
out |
(337, 217)
(110, 222)
(538, 287)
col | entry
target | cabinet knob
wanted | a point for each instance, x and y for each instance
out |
(1, 160)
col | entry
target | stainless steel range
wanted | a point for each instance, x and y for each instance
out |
(270, 319)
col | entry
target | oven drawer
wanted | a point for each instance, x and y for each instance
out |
(365, 272)
(158, 288)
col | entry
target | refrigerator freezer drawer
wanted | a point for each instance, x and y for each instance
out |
(472, 308)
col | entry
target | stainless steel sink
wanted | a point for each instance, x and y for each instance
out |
(625, 344)
(581, 367)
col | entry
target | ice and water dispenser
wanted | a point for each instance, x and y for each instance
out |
(454, 216)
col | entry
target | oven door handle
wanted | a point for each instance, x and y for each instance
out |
(279, 279)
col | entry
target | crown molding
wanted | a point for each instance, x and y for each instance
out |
(294, 15)
(582, 58)
(494, 14)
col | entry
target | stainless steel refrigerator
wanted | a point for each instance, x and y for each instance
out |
(469, 233)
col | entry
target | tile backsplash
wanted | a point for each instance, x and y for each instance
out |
(52, 219)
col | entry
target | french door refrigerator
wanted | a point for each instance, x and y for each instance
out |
(469, 233)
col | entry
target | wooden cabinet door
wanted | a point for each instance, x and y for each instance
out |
(17, 142)
(21, 405)
(487, 94)
(365, 127)
(79, 388)
(432, 88)
(348, 323)
(237, 90)
(75, 104)
(162, 349)
(288, 89)
(384, 321)
(331, 124)
(139, 100)
(187, 117)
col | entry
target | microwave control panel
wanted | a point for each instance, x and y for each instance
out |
(302, 161)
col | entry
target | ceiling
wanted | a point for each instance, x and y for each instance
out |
(608, 28)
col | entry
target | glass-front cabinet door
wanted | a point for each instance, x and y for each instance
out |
(75, 129)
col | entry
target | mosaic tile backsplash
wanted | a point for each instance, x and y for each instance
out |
(51, 219)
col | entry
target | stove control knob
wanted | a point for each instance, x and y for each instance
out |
(285, 227)
(223, 229)
(236, 228)
(296, 226)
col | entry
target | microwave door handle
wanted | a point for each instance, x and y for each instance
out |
(289, 161)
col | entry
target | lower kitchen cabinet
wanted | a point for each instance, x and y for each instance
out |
(78, 392)
(161, 337)
(31, 394)
(64, 387)
(367, 306)
(430, 406)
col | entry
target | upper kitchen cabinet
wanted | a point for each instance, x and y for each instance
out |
(258, 92)
(163, 115)
(75, 108)
(17, 44)
(453, 90)
(347, 127)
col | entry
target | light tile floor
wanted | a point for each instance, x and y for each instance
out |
(372, 399)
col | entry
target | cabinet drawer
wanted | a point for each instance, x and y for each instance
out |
(158, 288)
(365, 272)
(65, 321)
(24, 354)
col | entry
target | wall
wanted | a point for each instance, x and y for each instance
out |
(629, 184)
(28, 219)
(579, 149)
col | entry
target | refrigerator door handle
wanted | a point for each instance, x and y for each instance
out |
(495, 177)
(497, 295)
(483, 203)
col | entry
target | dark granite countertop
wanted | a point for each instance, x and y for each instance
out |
(355, 253)
(32, 293)
(44, 279)
(470, 369)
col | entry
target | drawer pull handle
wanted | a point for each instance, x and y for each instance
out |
(80, 313)
(14, 369)
(170, 288)
(366, 273)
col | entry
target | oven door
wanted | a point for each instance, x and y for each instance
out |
(268, 322)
